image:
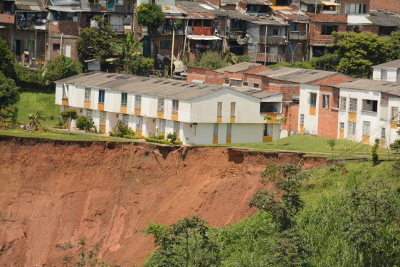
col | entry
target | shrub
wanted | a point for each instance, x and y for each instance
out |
(81, 122)
(160, 141)
(122, 130)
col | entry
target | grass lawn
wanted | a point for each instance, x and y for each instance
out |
(61, 135)
(305, 143)
(31, 101)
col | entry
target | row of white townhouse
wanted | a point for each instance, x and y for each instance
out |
(199, 113)
(358, 110)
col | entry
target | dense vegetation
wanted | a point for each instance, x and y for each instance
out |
(341, 215)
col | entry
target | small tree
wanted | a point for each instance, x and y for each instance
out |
(151, 16)
(374, 150)
(85, 257)
(61, 67)
(68, 115)
(6, 60)
(331, 143)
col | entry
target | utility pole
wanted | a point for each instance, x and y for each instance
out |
(172, 48)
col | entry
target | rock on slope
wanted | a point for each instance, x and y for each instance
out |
(53, 192)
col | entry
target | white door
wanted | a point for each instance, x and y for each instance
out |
(68, 50)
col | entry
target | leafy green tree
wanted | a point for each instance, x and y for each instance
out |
(331, 143)
(68, 115)
(61, 67)
(358, 52)
(184, 243)
(95, 43)
(374, 151)
(150, 15)
(9, 92)
(34, 120)
(129, 56)
(6, 60)
(373, 214)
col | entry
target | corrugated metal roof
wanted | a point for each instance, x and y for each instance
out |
(383, 18)
(258, 2)
(154, 86)
(239, 67)
(372, 85)
(358, 20)
(291, 14)
(33, 5)
(395, 64)
(199, 7)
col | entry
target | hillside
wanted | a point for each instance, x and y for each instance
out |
(56, 191)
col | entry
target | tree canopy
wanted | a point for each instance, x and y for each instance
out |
(150, 16)
(95, 42)
(9, 92)
(6, 60)
(61, 67)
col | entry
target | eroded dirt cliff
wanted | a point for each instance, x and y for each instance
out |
(53, 192)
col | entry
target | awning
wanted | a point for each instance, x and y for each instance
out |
(65, 8)
(204, 37)
(329, 3)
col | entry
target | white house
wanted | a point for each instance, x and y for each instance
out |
(369, 109)
(389, 71)
(200, 113)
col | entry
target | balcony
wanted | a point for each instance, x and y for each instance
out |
(273, 40)
(29, 25)
(7, 18)
(298, 35)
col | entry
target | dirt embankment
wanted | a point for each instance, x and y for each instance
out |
(53, 192)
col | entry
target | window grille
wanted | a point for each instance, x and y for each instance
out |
(219, 109)
(366, 128)
(160, 105)
(124, 99)
(353, 105)
(138, 101)
(352, 128)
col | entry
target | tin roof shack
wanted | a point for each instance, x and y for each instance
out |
(205, 26)
(298, 31)
(266, 39)
(7, 20)
(386, 21)
(68, 17)
(254, 7)
(30, 32)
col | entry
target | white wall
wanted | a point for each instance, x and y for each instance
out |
(391, 74)
(310, 121)
(59, 91)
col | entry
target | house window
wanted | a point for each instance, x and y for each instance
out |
(124, 99)
(56, 47)
(370, 105)
(394, 113)
(236, 82)
(175, 106)
(88, 93)
(256, 85)
(352, 128)
(138, 101)
(313, 99)
(139, 123)
(275, 32)
(341, 125)
(229, 129)
(383, 75)
(89, 114)
(245, 83)
(103, 117)
(219, 109)
(353, 105)
(101, 96)
(301, 119)
(366, 128)
(65, 91)
(160, 104)
(356, 9)
(226, 80)
(165, 44)
(215, 129)
(328, 29)
(176, 127)
(343, 103)
(294, 26)
(161, 126)
(125, 119)
(265, 131)
(325, 101)
(233, 109)
(30, 45)
(383, 133)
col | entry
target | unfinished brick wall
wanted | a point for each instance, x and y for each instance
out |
(332, 80)
(328, 118)
(208, 76)
(257, 69)
(65, 41)
(65, 27)
(316, 37)
(391, 5)
(344, 2)
(40, 43)
(178, 45)
(291, 112)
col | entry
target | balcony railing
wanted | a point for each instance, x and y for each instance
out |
(276, 40)
(29, 25)
(298, 35)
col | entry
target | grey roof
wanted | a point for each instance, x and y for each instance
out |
(372, 85)
(154, 86)
(199, 7)
(258, 2)
(239, 67)
(384, 18)
(34, 5)
(395, 64)
(297, 75)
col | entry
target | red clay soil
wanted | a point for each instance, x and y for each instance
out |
(53, 192)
